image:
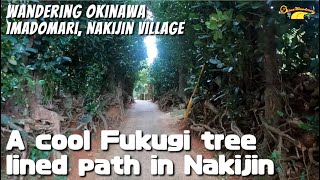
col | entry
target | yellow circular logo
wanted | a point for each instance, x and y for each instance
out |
(283, 9)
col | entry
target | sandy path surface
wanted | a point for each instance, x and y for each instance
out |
(145, 116)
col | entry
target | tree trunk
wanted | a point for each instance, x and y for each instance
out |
(119, 99)
(249, 63)
(182, 84)
(37, 112)
(272, 82)
(271, 93)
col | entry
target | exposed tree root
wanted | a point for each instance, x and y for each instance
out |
(8, 121)
(169, 100)
(297, 154)
(201, 127)
(104, 120)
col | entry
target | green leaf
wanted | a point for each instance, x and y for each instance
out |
(229, 13)
(281, 114)
(12, 61)
(302, 175)
(197, 43)
(193, 16)
(220, 65)
(25, 53)
(203, 36)
(227, 69)
(31, 67)
(5, 69)
(31, 50)
(65, 58)
(196, 100)
(37, 42)
(41, 82)
(10, 38)
(213, 17)
(219, 34)
(188, 89)
(257, 5)
(59, 59)
(241, 4)
(235, 23)
(240, 17)
(212, 25)
(219, 13)
(197, 27)
(58, 71)
(224, 17)
(25, 40)
(214, 61)
(63, 41)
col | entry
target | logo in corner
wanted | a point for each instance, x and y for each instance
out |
(296, 13)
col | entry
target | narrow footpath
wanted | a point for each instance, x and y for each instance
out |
(145, 116)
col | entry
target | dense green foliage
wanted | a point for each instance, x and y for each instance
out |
(228, 37)
(142, 83)
(240, 43)
(58, 71)
(85, 65)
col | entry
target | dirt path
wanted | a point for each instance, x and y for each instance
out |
(145, 116)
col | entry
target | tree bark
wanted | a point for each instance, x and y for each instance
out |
(249, 63)
(271, 97)
(182, 84)
(37, 112)
(272, 82)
